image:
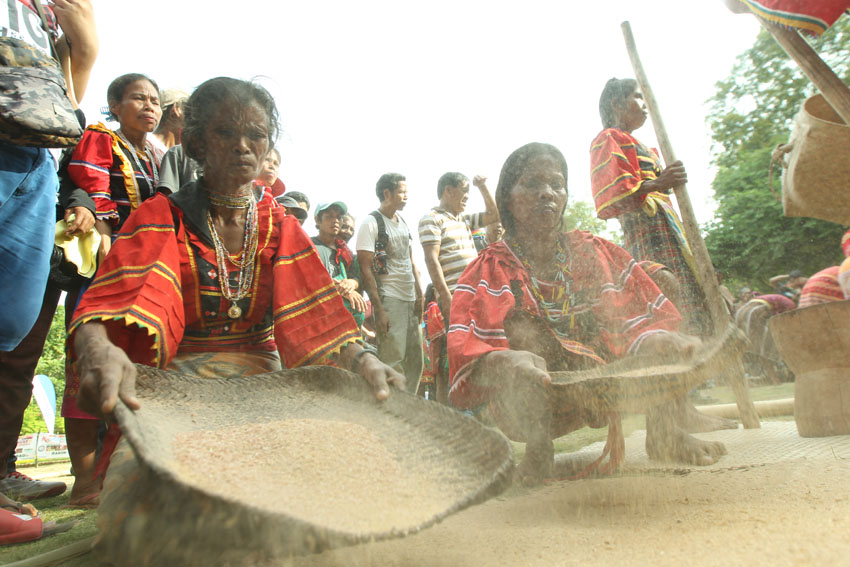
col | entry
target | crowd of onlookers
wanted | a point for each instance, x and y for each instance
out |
(200, 251)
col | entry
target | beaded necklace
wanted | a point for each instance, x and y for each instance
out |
(232, 201)
(152, 181)
(245, 263)
(559, 310)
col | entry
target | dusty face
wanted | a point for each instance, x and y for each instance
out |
(330, 222)
(495, 231)
(346, 228)
(456, 197)
(539, 196)
(235, 144)
(271, 168)
(138, 111)
(632, 112)
(398, 199)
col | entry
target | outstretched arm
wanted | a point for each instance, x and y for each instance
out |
(491, 211)
(78, 46)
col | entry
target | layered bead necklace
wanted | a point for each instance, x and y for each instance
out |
(152, 181)
(249, 250)
(558, 310)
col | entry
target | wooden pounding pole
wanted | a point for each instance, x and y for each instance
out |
(836, 93)
(705, 269)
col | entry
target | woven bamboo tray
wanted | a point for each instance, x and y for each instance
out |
(636, 383)
(450, 453)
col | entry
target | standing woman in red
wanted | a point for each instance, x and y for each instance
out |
(629, 182)
(119, 169)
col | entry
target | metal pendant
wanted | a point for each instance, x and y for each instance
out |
(234, 312)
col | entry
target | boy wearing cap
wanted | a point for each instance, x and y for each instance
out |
(338, 259)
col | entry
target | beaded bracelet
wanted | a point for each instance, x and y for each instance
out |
(355, 362)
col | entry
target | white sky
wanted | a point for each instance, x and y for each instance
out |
(369, 87)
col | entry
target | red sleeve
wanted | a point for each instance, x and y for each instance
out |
(480, 304)
(630, 306)
(137, 292)
(89, 169)
(311, 322)
(614, 174)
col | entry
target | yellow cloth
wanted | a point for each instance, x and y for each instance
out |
(80, 250)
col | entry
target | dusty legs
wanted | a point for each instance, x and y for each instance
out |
(667, 440)
(690, 419)
(82, 446)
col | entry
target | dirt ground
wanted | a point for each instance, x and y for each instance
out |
(776, 499)
(788, 512)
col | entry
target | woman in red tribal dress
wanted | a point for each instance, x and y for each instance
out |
(582, 294)
(119, 170)
(212, 280)
(629, 183)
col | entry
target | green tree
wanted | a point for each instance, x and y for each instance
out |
(52, 365)
(581, 215)
(750, 240)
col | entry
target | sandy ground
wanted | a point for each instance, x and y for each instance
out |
(776, 499)
(769, 512)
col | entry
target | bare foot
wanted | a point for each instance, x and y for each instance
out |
(690, 419)
(87, 496)
(681, 447)
(667, 441)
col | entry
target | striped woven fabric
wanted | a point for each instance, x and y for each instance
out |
(616, 306)
(813, 17)
(822, 287)
(158, 292)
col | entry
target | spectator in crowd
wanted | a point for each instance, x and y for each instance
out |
(338, 258)
(230, 324)
(492, 233)
(789, 284)
(346, 228)
(293, 207)
(301, 199)
(572, 297)
(28, 184)
(99, 165)
(176, 170)
(446, 237)
(269, 174)
(167, 133)
(391, 279)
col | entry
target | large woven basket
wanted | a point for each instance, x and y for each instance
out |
(637, 383)
(452, 453)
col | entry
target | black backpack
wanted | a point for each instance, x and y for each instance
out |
(379, 263)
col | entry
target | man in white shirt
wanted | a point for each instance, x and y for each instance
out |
(390, 278)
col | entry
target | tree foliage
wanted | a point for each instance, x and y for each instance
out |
(52, 365)
(752, 111)
(581, 215)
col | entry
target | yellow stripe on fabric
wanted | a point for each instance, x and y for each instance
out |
(613, 184)
(145, 229)
(817, 27)
(305, 299)
(601, 165)
(342, 340)
(159, 347)
(193, 269)
(306, 308)
(158, 268)
(301, 256)
(126, 168)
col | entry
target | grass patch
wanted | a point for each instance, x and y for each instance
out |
(51, 509)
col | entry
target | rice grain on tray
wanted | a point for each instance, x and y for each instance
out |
(331, 473)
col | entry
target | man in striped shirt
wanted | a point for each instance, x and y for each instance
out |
(446, 237)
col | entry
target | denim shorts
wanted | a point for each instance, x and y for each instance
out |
(28, 185)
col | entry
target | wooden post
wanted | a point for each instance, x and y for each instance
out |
(836, 93)
(705, 269)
